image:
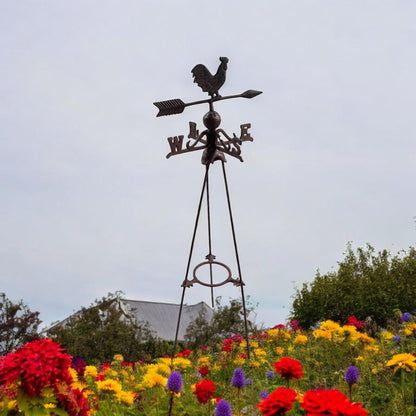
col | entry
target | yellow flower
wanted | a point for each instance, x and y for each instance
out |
(260, 352)
(386, 335)
(366, 339)
(124, 373)
(49, 406)
(409, 328)
(118, 357)
(372, 348)
(351, 331)
(280, 350)
(73, 373)
(318, 333)
(204, 362)
(109, 385)
(12, 404)
(333, 331)
(153, 379)
(403, 361)
(278, 333)
(91, 370)
(300, 339)
(179, 363)
(216, 367)
(77, 385)
(359, 358)
(239, 361)
(330, 325)
(126, 397)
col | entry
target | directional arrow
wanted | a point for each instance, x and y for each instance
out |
(176, 105)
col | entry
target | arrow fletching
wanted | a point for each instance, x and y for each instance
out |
(166, 108)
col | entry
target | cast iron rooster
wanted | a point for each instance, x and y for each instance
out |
(208, 82)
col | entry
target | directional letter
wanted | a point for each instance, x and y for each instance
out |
(193, 132)
(175, 143)
(245, 135)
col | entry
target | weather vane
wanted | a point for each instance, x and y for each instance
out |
(215, 144)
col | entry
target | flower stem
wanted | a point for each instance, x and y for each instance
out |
(171, 404)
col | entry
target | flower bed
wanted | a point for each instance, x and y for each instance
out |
(336, 370)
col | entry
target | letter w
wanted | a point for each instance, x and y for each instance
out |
(175, 143)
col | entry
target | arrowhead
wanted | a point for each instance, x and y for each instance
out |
(251, 93)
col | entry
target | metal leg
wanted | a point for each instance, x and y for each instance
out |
(237, 258)
(184, 284)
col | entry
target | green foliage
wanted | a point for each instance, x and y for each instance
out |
(100, 331)
(366, 284)
(227, 320)
(18, 324)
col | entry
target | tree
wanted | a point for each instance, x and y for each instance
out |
(18, 324)
(365, 285)
(98, 332)
(227, 320)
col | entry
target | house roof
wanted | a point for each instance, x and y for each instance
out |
(163, 317)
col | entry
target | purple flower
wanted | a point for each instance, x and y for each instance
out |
(249, 381)
(263, 395)
(78, 364)
(270, 375)
(223, 409)
(352, 375)
(406, 317)
(397, 338)
(174, 383)
(238, 379)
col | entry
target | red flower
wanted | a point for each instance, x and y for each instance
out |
(288, 368)
(352, 320)
(100, 377)
(105, 366)
(127, 364)
(295, 325)
(38, 364)
(184, 353)
(204, 371)
(330, 403)
(227, 343)
(73, 401)
(278, 403)
(204, 391)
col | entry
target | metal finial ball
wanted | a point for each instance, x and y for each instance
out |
(211, 120)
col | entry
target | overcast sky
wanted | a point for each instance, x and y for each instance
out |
(89, 204)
